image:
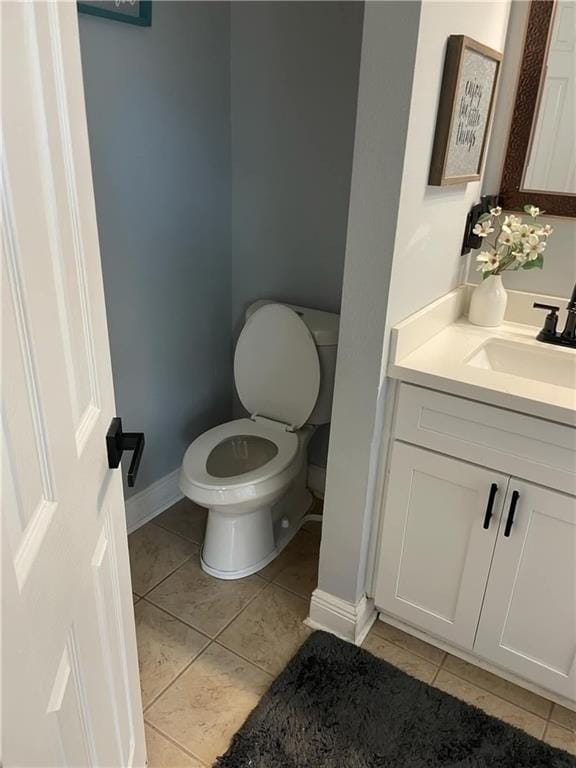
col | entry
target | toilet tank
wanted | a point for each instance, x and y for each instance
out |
(324, 329)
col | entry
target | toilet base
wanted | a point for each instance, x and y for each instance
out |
(239, 574)
(238, 546)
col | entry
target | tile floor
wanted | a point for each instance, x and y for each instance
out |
(208, 649)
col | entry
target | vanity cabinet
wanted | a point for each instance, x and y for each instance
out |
(436, 550)
(476, 554)
(528, 620)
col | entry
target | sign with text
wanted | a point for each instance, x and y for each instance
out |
(464, 112)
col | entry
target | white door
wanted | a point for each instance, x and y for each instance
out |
(70, 677)
(528, 622)
(439, 530)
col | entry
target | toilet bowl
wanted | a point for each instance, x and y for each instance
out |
(251, 472)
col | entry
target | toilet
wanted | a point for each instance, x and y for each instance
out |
(251, 473)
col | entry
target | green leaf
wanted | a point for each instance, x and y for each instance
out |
(485, 275)
(483, 217)
(531, 205)
(538, 263)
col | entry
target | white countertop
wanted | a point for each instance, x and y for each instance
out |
(441, 362)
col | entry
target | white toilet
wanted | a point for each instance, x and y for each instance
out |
(251, 473)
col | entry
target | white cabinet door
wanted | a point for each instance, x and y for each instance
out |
(70, 686)
(528, 622)
(436, 551)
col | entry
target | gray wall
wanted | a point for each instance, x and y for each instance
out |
(389, 45)
(294, 87)
(158, 102)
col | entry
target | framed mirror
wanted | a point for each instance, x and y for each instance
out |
(541, 153)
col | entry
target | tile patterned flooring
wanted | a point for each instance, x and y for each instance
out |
(209, 649)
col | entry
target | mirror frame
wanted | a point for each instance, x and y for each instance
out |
(512, 196)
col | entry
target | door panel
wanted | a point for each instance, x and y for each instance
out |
(70, 675)
(528, 622)
(67, 708)
(435, 553)
(109, 612)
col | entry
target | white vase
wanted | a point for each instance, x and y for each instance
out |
(488, 302)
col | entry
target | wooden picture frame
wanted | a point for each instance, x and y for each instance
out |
(513, 195)
(138, 12)
(467, 97)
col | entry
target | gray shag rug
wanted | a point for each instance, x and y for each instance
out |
(338, 706)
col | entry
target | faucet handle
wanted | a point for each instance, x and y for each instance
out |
(550, 323)
(549, 307)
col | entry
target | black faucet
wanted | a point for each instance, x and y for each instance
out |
(548, 333)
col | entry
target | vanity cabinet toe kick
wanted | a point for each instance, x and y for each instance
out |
(478, 542)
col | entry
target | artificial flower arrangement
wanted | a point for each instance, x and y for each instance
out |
(516, 245)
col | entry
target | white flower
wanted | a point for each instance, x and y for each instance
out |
(483, 229)
(509, 238)
(495, 211)
(525, 231)
(533, 247)
(532, 210)
(487, 261)
(512, 223)
(545, 231)
(521, 257)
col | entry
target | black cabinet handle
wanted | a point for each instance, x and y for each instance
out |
(490, 505)
(117, 442)
(511, 513)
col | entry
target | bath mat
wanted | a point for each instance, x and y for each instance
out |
(338, 706)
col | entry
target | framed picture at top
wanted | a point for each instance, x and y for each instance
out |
(467, 98)
(137, 12)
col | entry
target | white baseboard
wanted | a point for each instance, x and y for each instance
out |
(349, 621)
(151, 501)
(316, 480)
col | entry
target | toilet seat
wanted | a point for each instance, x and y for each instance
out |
(215, 490)
(276, 366)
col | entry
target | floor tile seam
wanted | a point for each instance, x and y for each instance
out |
(174, 679)
(271, 675)
(561, 725)
(178, 618)
(164, 527)
(173, 616)
(250, 601)
(551, 723)
(281, 571)
(175, 743)
(306, 598)
(163, 579)
(438, 664)
(539, 717)
(497, 695)
(188, 623)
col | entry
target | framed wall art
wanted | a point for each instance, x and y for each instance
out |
(137, 12)
(467, 97)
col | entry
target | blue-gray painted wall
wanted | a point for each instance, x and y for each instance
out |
(294, 85)
(295, 68)
(158, 104)
(213, 189)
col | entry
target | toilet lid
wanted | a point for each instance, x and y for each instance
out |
(276, 366)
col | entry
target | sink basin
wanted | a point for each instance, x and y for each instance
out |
(544, 365)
